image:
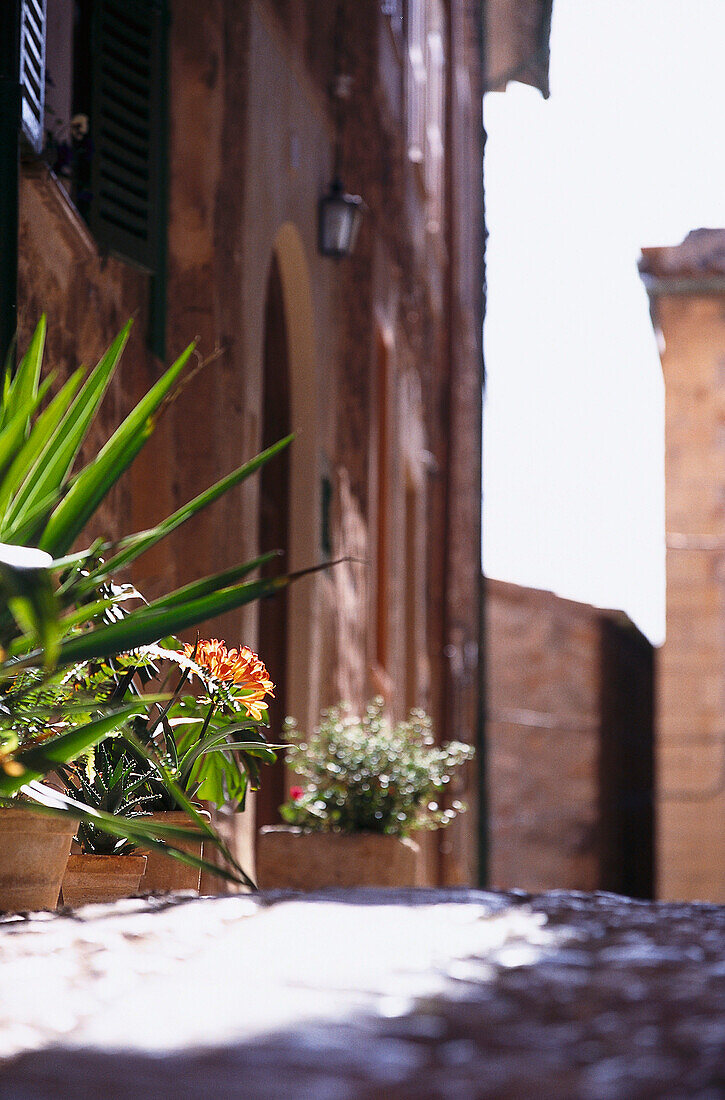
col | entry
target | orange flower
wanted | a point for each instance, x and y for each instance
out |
(236, 666)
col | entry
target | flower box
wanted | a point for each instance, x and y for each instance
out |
(292, 858)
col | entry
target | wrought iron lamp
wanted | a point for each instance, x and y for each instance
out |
(338, 220)
(338, 214)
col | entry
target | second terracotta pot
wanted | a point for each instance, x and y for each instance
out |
(90, 878)
(164, 874)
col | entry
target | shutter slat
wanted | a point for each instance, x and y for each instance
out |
(137, 202)
(119, 81)
(127, 128)
(133, 65)
(124, 30)
(131, 175)
(32, 71)
(123, 92)
(135, 222)
(129, 17)
(119, 229)
(123, 163)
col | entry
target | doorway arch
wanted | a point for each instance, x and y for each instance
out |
(289, 495)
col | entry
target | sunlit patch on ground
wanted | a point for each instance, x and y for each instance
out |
(479, 995)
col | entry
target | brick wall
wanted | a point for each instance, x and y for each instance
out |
(689, 312)
(562, 727)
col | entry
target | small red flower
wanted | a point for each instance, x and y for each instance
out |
(296, 793)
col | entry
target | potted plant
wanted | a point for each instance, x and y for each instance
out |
(173, 749)
(207, 745)
(106, 867)
(56, 605)
(365, 785)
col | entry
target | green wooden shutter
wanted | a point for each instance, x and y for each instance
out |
(128, 130)
(32, 70)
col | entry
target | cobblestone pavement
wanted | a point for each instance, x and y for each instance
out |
(365, 994)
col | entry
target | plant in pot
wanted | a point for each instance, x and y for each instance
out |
(366, 784)
(56, 604)
(208, 745)
(106, 867)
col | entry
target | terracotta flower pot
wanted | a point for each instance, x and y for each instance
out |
(290, 858)
(90, 878)
(163, 873)
(33, 856)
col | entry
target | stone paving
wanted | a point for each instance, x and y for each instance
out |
(365, 994)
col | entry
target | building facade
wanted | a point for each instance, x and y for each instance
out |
(182, 155)
(686, 286)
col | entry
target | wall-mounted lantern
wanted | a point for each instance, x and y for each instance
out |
(339, 216)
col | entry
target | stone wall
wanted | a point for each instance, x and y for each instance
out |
(556, 782)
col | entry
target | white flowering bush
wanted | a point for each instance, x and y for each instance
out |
(365, 774)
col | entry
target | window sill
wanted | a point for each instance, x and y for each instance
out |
(54, 197)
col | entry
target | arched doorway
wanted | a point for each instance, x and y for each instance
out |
(288, 635)
(274, 528)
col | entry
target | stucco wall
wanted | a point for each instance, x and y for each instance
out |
(251, 151)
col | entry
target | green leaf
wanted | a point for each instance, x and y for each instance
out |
(264, 752)
(28, 528)
(146, 625)
(30, 476)
(96, 479)
(62, 449)
(198, 589)
(24, 386)
(13, 434)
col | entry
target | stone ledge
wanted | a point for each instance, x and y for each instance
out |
(366, 993)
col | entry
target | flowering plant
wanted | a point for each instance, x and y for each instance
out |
(207, 746)
(212, 741)
(366, 774)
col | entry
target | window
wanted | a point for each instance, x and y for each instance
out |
(413, 635)
(32, 70)
(434, 119)
(416, 79)
(382, 555)
(101, 67)
(426, 99)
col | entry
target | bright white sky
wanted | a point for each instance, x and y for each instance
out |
(627, 152)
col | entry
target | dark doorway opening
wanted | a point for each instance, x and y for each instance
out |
(274, 532)
(627, 761)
